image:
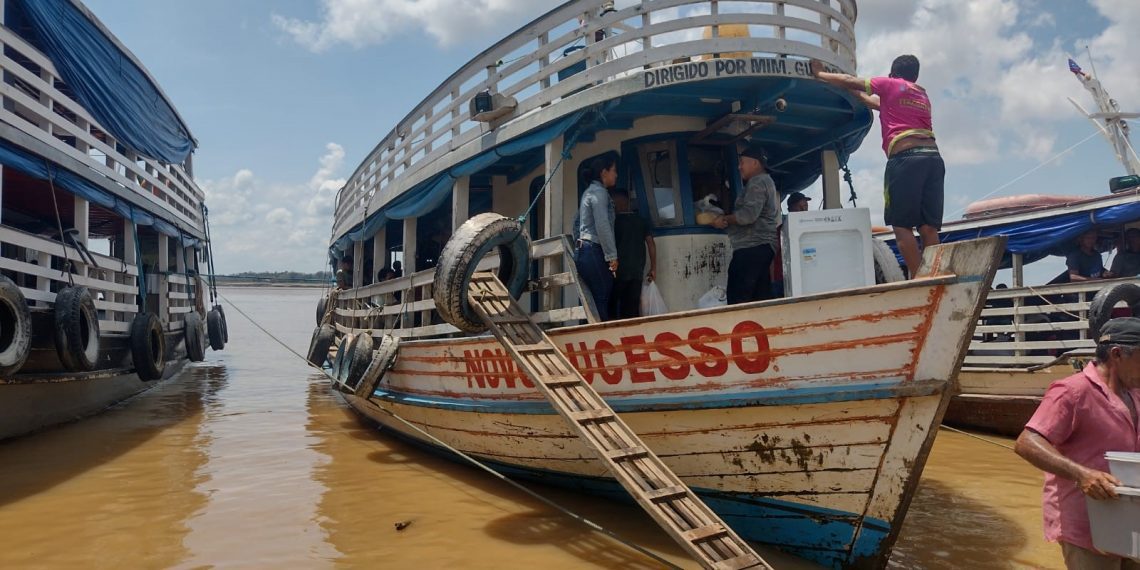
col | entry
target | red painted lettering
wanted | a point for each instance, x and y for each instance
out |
(678, 371)
(582, 366)
(635, 353)
(488, 364)
(714, 363)
(752, 362)
(609, 376)
(474, 368)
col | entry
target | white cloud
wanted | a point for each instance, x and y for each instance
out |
(259, 225)
(360, 23)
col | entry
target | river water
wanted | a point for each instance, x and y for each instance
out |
(248, 460)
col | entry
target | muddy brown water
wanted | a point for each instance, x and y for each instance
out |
(248, 460)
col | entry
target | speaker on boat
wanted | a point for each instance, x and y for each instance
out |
(473, 241)
(148, 347)
(76, 329)
(15, 328)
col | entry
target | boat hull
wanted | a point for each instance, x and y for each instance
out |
(35, 404)
(999, 401)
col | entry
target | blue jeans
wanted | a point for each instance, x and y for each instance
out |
(595, 275)
(748, 274)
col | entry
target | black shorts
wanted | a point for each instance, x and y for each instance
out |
(913, 188)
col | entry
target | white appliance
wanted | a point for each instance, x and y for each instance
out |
(827, 250)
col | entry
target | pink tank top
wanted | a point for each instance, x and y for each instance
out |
(904, 109)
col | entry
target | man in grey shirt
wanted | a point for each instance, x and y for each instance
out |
(751, 231)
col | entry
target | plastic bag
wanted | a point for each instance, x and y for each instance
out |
(709, 204)
(715, 297)
(652, 303)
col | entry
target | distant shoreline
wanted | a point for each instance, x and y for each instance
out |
(224, 283)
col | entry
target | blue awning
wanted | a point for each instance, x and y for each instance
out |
(105, 78)
(12, 156)
(430, 194)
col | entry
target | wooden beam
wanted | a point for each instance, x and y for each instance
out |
(460, 201)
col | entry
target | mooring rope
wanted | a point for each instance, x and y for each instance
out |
(968, 434)
(548, 502)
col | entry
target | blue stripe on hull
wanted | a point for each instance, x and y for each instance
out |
(814, 533)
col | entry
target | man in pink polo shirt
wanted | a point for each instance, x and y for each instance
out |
(1080, 418)
(914, 178)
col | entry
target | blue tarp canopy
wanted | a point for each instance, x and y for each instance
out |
(105, 79)
(12, 156)
(1039, 237)
(428, 195)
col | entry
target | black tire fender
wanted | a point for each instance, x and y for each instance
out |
(887, 268)
(323, 338)
(215, 328)
(76, 329)
(195, 337)
(340, 362)
(148, 347)
(359, 357)
(383, 359)
(1100, 308)
(473, 240)
(321, 305)
(15, 328)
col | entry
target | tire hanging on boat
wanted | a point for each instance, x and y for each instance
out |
(383, 359)
(195, 337)
(215, 328)
(225, 325)
(340, 361)
(476, 238)
(76, 329)
(321, 305)
(323, 338)
(15, 328)
(1105, 300)
(887, 268)
(359, 356)
(148, 347)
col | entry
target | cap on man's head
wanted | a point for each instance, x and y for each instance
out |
(757, 153)
(1121, 330)
(797, 197)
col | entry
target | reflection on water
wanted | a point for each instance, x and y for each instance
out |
(249, 460)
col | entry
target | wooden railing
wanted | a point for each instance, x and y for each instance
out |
(404, 306)
(1028, 326)
(34, 103)
(527, 65)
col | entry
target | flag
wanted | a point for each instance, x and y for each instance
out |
(1075, 68)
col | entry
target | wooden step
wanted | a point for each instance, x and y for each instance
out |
(746, 560)
(666, 493)
(560, 381)
(705, 533)
(510, 319)
(533, 348)
(599, 415)
(627, 453)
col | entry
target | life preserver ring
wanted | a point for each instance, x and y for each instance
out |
(473, 240)
(76, 329)
(15, 328)
(148, 347)
(1100, 308)
(887, 268)
(195, 337)
(323, 338)
(383, 358)
(358, 355)
(215, 328)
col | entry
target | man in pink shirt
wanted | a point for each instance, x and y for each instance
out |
(1081, 418)
(915, 174)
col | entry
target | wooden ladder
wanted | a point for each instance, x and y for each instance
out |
(655, 487)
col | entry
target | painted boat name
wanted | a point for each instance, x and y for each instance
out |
(692, 71)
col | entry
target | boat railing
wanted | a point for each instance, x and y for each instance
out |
(35, 101)
(404, 306)
(574, 49)
(1031, 326)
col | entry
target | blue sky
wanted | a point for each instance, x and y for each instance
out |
(287, 97)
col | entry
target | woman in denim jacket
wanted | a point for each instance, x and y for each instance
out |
(595, 254)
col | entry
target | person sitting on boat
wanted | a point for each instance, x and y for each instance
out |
(595, 253)
(1080, 418)
(1127, 260)
(1085, 263)
(344, 273)
(915, 173)
(752, 231)
(631, 232)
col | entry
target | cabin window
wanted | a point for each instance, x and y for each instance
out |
(661, 182)
(709, 169)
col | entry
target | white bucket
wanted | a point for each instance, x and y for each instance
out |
(1115, 523)
(1124, 466)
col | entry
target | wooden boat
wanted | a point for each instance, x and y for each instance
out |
(804, 422)
(101, 225)
(1030, 335)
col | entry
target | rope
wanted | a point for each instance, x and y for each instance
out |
(548, 502)
(210, 253)
(1051, 304)
(546, 183)
(59, 224)
(968, 434)
(139, 264)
